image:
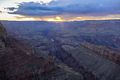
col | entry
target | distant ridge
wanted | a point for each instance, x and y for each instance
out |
(63, 21)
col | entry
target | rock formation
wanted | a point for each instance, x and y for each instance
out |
(17, 62)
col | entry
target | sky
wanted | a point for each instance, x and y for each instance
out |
(59, 10)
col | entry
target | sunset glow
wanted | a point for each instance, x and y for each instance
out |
(58, 10)
(11, 17)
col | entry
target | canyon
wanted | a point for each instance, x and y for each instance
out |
(79, 50)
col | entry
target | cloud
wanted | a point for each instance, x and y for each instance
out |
(68, 7)
(36, 9)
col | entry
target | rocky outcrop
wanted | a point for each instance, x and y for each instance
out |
(2, 39)
(104, 51)
(3, 33)
(102, 65)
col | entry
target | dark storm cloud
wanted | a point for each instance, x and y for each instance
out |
(74, 7)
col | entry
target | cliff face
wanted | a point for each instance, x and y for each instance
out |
(3, 33)
(2, 38)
